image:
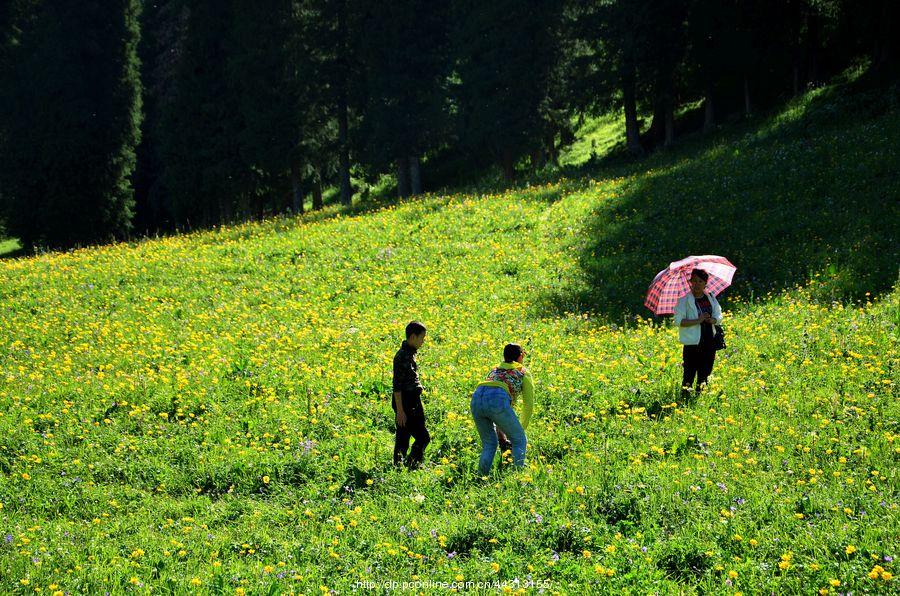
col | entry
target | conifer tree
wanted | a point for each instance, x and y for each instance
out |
(70, 123)
(504, 59)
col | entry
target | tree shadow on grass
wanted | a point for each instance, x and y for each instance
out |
(10, 249)
(809, 195)
(13, 254)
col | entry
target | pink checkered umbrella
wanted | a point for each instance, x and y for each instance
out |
(671, 283)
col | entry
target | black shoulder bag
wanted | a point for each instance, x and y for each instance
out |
(719, 339)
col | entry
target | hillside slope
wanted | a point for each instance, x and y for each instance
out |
(211, 411)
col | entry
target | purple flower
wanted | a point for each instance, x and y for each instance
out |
(555, 556)
(888, 559)
(8, 538)
(433, 533)
(722, 486)
(451, 555)
(643, 549)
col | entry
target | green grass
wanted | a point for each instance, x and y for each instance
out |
(210, 412)
(596, 137)
(9, 246)
(809, 193)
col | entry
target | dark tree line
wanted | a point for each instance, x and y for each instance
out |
(71, 111)
(127, 117)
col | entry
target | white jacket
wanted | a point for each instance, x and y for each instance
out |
(686, 308)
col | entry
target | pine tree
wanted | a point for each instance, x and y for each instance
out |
(71, 122)
(15, 16)
(504, 61)
(624, 46)
(262, 62)
(202, 168)
(405, 57)
(163, 25)
(666, 46)
(332, 31)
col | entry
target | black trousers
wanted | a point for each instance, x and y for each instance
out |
(698, 362)
(414, 428)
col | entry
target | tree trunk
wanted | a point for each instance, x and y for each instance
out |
(537, 159)
(344, 154)
(317, 192)
(662, 127)
(747, 110)
(208, 218)
(402, 177)
(890, 46)
(885, 49)
(415, 175)
(670, 123)
(27, 243)
(657, 131)
(709, 116)
(297, 190)
(632, 128)
(550, 146)
(813, 28)
(663, 113)
(224, 208)
(506, 162)
(343, 108)
(260, 205)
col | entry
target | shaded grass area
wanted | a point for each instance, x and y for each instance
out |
(810, 192)
(10, 248)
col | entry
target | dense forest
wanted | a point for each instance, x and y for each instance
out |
(125, 117)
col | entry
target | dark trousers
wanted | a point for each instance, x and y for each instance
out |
(698, 362)
(414, 428)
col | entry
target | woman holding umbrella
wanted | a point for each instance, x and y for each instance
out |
(688, 289)
(696, 315)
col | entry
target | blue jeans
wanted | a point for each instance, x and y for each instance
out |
(490, 406)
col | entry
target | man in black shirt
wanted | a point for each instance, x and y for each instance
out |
(407, 401)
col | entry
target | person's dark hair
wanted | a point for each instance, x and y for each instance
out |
(511, 352)
(701, 274)
(414, 328)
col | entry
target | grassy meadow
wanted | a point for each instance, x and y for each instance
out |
(211, 412)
